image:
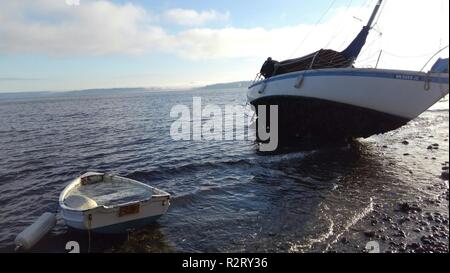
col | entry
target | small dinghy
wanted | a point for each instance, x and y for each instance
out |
(111, 204)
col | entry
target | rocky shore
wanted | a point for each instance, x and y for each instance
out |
(408, 226)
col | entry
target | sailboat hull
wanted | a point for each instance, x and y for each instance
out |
(347, 103)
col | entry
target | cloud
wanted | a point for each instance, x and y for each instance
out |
(410, 28)
(189, 17)
(93, 27)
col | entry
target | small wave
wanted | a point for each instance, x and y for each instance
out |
(352, 221)
(285, 157)
(334, 232)
(162, 172)
(295, 248)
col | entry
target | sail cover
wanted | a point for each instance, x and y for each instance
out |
(353, 50)
(322, 59)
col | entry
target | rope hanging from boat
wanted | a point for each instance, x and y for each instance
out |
(89, 232)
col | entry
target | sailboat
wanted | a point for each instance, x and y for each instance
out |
(322, 96)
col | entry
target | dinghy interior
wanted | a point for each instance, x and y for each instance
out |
(111, 204)
(104, 190)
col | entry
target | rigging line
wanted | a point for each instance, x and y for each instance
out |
(366, 5)
(369, 46)
(342, 27)
(442, 21)
(370, 57)
(317, 23)
(408, 57)
(437, 53)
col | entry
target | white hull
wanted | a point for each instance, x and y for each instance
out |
(108, 219)
(403, 94)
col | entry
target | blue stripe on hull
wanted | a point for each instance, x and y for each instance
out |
(123, 227)
(386, 75)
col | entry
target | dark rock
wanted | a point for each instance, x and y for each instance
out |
(396, 228)
(370, 234)
(405, 142)
(394, 244)
(430, 147)
(407, 208)
(404, 220)
(402, 234)
(406, 154)
(445, 175)
(345, 241)
(414, 246)
(435, 145)
(425, 240)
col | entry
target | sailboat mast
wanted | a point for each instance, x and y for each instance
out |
(353, 50)
(374, 13)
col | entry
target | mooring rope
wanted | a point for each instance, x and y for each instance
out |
(89, 232)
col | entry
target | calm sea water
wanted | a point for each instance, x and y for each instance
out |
(226, 196)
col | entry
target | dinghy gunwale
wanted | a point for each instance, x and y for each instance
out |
(77, 181)
(102, 220)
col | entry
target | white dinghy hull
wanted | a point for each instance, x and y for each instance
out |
(114, 218)
(348, 102)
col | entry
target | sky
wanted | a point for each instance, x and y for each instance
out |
(59, 45)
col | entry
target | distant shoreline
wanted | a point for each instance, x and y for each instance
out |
(125, 90)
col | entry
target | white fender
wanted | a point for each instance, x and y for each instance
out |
(32, 234)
